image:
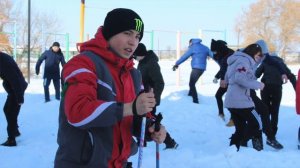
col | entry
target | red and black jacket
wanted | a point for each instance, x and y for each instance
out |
(92, 130)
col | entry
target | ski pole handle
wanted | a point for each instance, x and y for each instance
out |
(157, 128)
(158, 119)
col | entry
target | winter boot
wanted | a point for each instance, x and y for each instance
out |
(195, 101)
(274, 143)
(10, 142)
(234, 140)
(170, 142)
(257, 143)
(171, 145)
(244, 143)
(230, 123)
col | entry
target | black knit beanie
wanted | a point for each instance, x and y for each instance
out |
(56, 44)
(140, 50)
(121, 19)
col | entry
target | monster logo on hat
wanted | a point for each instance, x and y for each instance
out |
(121, 19)
(138, 24)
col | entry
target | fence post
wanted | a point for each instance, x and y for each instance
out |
(67, 46)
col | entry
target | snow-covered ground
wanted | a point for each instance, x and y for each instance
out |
(201, 134)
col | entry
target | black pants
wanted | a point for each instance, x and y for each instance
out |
(56, 83)
(271, 96)
(219, 94)
(195, 75)
(263, 111)
(11, 110)
(247, 124)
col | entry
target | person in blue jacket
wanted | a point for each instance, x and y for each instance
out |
(53, 57)
(199, 54)
(15, 86)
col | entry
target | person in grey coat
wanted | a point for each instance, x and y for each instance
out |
(240, 77)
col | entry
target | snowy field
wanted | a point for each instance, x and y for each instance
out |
(201, 134)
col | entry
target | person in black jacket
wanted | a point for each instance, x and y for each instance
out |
(152, 78)
(221, 53)
(53, 57)
(275, 73)
(15, 86)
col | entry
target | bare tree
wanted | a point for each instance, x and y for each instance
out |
(41, 25)
(5, 8)
(289, 25)
(275, 21)
(10, 11)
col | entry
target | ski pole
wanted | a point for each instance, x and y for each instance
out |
(141, 145)
(142, 137)
(156, 129)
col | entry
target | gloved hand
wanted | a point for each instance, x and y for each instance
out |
(175, 67)
(215, 80)
(37, 72)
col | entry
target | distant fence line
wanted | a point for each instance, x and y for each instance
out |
(291, 58)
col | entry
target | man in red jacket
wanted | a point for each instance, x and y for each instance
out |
(103, 99)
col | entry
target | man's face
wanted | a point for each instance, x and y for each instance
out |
(55, 48)
(258, 57)
(124, 43)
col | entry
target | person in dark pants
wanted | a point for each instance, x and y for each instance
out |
(199, 54)
(221, 53)
(240, 77)
(274, 72)
(15, 86)
(152, 78)
(53, 57)
(272, 93)
(263, 110)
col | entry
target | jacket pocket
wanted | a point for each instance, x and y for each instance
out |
(87, 148)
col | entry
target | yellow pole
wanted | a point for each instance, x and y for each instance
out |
(82, 6)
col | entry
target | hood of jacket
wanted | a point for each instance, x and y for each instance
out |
(237, 55)
(150, 56)
(196, 40)
(263, 45)
(100, 46)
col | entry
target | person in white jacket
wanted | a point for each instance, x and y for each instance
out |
(240, 77)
